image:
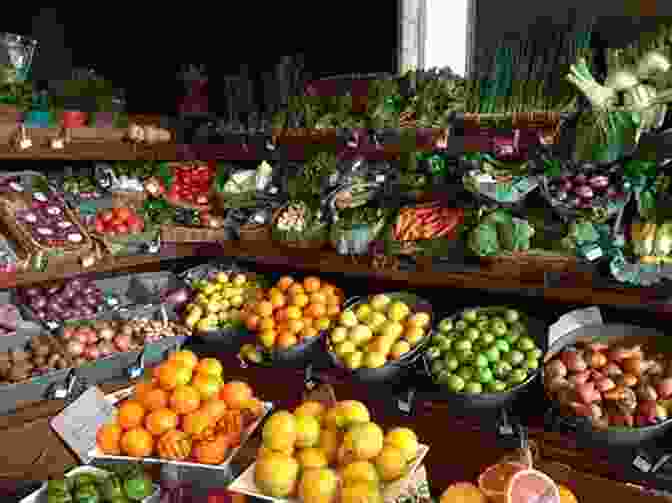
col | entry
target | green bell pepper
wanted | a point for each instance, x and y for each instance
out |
(138, 487)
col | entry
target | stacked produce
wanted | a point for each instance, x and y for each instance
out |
(383, 329)
(217, 303)
(43, 355)
(191, 185)
(77, 298)
(82, 186)
(87, 341)
(331, 453)
(426, 222)
(124, 483)
(484, 349)
(184, 413)
(119, 221)
(612, 385)
(593, 189)
(293, 312)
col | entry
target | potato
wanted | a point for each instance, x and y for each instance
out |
(4, 357)
(20, 371)
(41, 350)
(61, 364)
(4, 368)
(39, 361)
(18, 355)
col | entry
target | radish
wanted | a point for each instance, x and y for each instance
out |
(82, 335)
(68, 333)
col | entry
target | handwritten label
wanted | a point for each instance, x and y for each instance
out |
(78, 423)
(573, 320)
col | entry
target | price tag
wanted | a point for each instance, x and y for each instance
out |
(405, 404)
(573, 320)
(642, 464)
(380, 178)
(78, 423)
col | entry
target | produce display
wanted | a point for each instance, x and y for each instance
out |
(293, 312)
(77, 298)
(611, 385)
(426, 222)
(586, 190)
(191, 185)
(87, 341)
(217, 303)
(123, 483)
(43, 354)
(483, 350)
(185, 412)
(84, 187)
(119, 221)
(382, 329)
(331, 452)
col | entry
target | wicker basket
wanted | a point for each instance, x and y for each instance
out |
(128, 199)
(307, 244)
(179, 234)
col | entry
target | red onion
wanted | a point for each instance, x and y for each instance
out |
(75, 348)
(580, 179)
(38, 302)
(92, 353)
(599, 182)
(584, 192)
(33, 292)
(567, 186)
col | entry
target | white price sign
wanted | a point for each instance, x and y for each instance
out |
(573, 320)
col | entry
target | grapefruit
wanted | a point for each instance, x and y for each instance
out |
(279, 433)
(318, 485)
(493, 482)
(276, 474)
(463, 492)
(531, 485)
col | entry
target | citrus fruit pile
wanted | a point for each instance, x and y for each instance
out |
(483, 350)
(292, 312)
(374, 332)
(218, 302)
(509, 482)
(184, 412)
(331, 454)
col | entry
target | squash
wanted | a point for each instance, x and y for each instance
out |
(174, 445)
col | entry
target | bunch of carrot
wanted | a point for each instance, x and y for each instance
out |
(426, 222)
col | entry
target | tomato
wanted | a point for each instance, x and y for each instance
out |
(107, 216)
(120, 229)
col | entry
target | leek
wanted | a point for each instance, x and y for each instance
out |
(599, 96)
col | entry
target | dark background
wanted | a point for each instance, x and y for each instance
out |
(140, 48)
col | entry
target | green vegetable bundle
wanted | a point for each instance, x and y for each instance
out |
(499, 233)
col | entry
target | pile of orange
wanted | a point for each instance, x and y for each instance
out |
(293, 311)
(184, 412)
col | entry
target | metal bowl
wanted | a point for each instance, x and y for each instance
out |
(489, 401)
(393, 370)
(614, 436)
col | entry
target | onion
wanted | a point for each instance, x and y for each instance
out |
(599, 182)
(92, 301)
(584, 192)
(33, 291)
(76, 284)
(92, 353)
(53, 290)
(580, 179)
(122, 342)
(567, 186)
(75, 348)
(41, 315)
(88, 312)
(78, 302)
(68, 294)
(54, 307)
(38, 302)
(106, 334)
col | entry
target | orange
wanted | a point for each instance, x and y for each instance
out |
(266, 324)
(131, 414)
(281, 315)
(137, 443)
(566, 495)
(215, 408)
(273, 292)
(463, 492)
(236, 394)
(267, 338)
(311, 284)
(531, 485)
(183, 374)
(212, 452)
(333, 300)
(322, 324)
(296, 289)
(160, 421)
(108, 438)
(278, 300)
(185, 358)
(252, 322)
(318, 298)
(196, 422)
(284, 283)
(333, 310)
(339, 293)
(264, 309)
(185, 399)
(300, 300)
(308, 333)
(210, 366)
(315, 311)
(141, 389)
(167, 375)
(286, 340)
(493, 482)
(295, 326)
(294, 313)
(207, 385)
(327, 289)
(308, 322)
(156, 399)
